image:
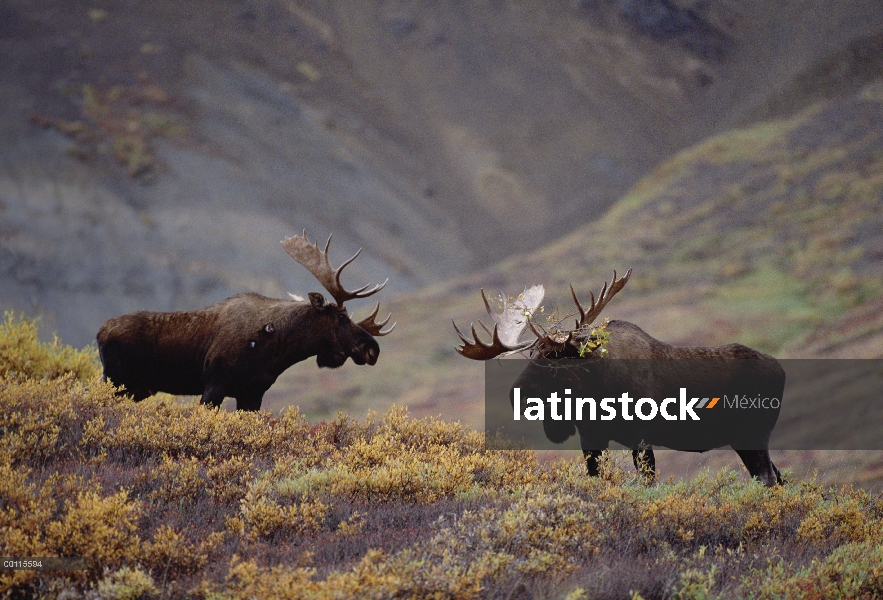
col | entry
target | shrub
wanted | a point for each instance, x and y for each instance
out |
(175, 500)
(22, 352)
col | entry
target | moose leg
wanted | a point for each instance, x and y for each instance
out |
(591, 456)
(645, 461)
(760, 465)
(249, 403)
(214, 396)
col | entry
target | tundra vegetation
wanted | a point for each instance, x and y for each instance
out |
(170, 499)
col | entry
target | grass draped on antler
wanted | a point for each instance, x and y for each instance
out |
(518, 315)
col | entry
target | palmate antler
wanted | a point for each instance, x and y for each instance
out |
(508, 326)
(516, 316)
(316, 262)
(586, 317)
(369, 325)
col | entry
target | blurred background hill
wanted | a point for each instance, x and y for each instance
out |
(152, 155)
(155, 153)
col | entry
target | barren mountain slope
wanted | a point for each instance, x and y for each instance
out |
(152, 154)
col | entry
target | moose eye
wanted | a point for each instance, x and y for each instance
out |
(343, 317)
(269, 328)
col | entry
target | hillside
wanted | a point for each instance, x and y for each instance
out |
(163, 500)
(153, 154)
(770, 236)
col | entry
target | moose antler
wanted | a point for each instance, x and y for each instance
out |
(316, 262)
(586, 317)
(369, 325)
(508, 326)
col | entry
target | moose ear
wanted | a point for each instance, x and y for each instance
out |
(317, 300)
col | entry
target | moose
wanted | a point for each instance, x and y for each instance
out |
(239, 346)
(625, 357)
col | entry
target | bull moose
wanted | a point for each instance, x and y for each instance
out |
(239, 346)
(630, 357)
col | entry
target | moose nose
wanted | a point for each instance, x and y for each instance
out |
(371, 354)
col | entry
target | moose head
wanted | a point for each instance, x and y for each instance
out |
(347, 339)
(517, 316)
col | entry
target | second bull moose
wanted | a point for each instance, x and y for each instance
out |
(239, 346)
(630, 358)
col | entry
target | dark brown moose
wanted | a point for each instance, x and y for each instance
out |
(239, 346)
(631, 345)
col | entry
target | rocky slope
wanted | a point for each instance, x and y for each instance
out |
(153, 154)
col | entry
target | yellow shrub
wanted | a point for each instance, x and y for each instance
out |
(175, 480)
(263, 517)
(227, 479)
(125, 584)
(103, 530)
(42, 419)
(396, 458)
(168, 551)
(22, 352)
(842, 520)
(352, 526)
(245, 579)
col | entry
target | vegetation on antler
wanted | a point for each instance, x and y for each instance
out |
(518, 314)
(596, 341)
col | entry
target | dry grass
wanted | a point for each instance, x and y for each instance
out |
(169, 500)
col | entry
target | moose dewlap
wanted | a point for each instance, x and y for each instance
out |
(239, 346)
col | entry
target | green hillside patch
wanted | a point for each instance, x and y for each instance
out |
(778, 222)
(772, 305)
